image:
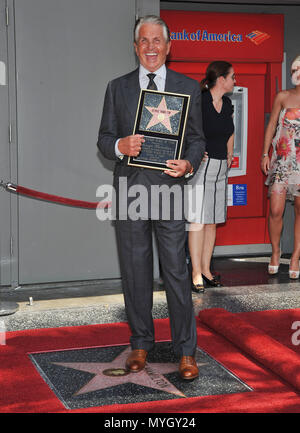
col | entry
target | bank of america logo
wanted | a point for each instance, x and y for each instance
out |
(258, 37)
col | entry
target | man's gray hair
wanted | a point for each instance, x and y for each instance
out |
(151, 19)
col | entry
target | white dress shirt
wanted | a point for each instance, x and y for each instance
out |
(159, 79)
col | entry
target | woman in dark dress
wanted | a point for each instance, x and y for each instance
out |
(208, 195)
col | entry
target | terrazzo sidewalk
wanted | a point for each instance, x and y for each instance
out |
(102, 301)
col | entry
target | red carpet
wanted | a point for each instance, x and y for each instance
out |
(282, 360)
(257, 347)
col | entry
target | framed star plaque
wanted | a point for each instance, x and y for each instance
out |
(161, 119)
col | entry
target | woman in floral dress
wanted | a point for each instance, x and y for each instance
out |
(283, 170)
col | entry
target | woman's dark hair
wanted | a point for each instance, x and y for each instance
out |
(216, 69)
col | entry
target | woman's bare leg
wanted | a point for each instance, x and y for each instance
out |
(294, 264)
(275, 222)
(208, 248)
(196, 237)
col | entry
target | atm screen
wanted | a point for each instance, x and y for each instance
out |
(239, 99)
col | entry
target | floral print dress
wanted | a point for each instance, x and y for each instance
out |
(284, 174)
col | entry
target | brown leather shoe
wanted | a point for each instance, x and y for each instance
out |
(136, 361)
(188, 369)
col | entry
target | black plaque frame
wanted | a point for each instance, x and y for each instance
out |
(161, 142)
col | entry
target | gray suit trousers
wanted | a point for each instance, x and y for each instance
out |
(136, 260)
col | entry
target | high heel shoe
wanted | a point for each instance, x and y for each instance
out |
(273, 269)
(198, 288)
(294, 275)
(214, 282)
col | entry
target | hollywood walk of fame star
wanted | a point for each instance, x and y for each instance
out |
(152, 376)
(161, 114)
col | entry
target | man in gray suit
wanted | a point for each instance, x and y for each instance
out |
(134, 236)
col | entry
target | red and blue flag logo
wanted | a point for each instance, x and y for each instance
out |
(258, 37)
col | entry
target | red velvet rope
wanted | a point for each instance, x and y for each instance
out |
(55, 198)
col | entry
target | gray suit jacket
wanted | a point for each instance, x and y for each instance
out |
(119, 112)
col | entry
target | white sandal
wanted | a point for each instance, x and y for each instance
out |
(294, 275)
(273, 270)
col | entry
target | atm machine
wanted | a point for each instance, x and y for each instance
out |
(237, 193)
(253, 43)
(239, 99)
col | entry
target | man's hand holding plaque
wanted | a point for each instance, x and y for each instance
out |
(131, 145)
(178, 167)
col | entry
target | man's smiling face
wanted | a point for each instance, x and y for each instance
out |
(152, 48)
